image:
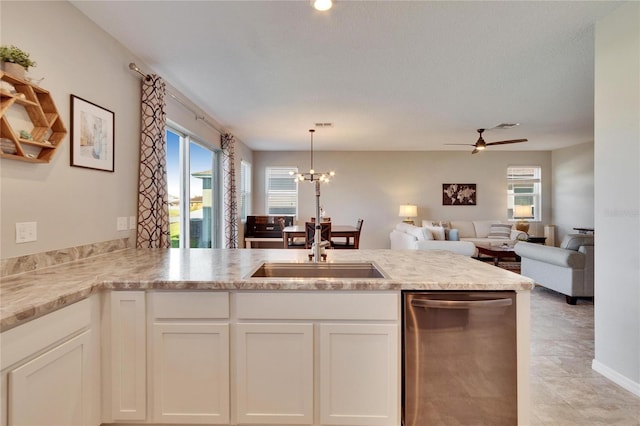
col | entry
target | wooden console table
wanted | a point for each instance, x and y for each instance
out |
(249, 240)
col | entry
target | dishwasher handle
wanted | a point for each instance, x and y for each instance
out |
(461, 304)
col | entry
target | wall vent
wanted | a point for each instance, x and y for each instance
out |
(324, 125)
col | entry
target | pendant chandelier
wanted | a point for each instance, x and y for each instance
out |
(312, 175)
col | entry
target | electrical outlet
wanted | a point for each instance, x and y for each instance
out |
(26, 232)
(122, 224)
(133, 224)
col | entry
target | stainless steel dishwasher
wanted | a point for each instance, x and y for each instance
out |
(459, 358)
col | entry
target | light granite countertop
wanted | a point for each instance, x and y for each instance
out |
(29, 295)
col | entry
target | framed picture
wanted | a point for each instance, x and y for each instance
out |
(459, 194)
(92, 135)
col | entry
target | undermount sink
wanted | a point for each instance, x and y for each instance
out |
(318, 270)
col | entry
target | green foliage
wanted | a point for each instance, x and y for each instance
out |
(16, 55)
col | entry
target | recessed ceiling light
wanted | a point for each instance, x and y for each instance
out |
(322, 5)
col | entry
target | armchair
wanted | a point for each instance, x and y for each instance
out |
(567, 269)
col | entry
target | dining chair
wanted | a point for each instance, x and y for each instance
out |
(347, 244)
(324, 219)
(291, 242)
(310, 232)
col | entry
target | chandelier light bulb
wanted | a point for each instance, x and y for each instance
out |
(322, 5)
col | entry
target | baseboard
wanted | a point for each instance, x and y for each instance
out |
(616, 377)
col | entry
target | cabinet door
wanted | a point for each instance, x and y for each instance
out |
(274, 373)
(191, 373)
(53, 389)
(128, 355)
(359, 374)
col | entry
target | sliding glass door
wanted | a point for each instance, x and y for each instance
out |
(193, 176)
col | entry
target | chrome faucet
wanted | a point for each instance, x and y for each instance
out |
(318, 244)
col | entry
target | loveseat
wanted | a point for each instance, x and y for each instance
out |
(406, 236)
(567, 269)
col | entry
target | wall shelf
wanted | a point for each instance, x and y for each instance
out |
(47, 129)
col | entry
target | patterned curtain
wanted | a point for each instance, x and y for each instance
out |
(229, 192)
(153, 204)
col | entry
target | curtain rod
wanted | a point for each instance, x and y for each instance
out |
(134, 67)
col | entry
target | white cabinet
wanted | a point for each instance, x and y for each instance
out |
(320, 358)
(54, 388)
(127, 357)
(274, 373)
(190, 357)
(359, 373)
(50, 368)
(305, 358)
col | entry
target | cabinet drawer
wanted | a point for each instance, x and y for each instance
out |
(189, 305)
(34, 336)
(318, 305)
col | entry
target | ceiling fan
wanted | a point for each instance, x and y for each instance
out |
(480, 145)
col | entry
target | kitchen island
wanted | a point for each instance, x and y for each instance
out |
(132, 317)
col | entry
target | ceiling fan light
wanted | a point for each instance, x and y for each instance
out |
(481, 147)
(322, 5)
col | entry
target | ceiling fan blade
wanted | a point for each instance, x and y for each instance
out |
(465, 144)
(506, 142)
(475, 151)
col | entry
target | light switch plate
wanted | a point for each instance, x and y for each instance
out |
(26, 232)
(122, 224)
(132, 222)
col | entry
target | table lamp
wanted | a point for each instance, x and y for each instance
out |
(521, 212)
(408, 211)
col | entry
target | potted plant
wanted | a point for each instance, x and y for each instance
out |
(15, 61)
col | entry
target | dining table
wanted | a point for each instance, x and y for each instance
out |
(337, 231)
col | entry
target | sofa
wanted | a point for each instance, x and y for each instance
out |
(567, 269)
(486, 232)
(405, 236)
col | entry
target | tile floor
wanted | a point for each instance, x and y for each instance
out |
(565, 391)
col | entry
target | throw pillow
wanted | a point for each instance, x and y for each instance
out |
(454, 235)
(404, 227)
(500, 230)
(421, 234)
(437, 231)
(428, 235)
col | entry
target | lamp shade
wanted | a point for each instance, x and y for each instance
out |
(520, 211)
(408, 210)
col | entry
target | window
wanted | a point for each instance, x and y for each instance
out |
(192, 180)
(282, 191)
(524, 193)
(245, 190)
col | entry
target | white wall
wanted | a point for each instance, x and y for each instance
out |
(573, 186)
(76, 206)
(617, 196)
(72, 206)
(372, 185)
